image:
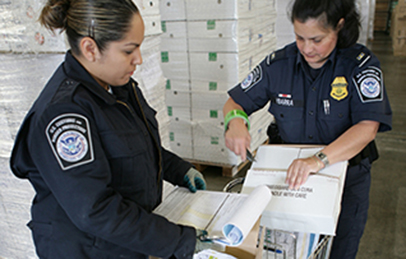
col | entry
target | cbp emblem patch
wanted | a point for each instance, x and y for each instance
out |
(339, 88)
(70, 140)
(252, 79)
(369, 84)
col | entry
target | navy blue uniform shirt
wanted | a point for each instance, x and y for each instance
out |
(349, 88)
(97, 165)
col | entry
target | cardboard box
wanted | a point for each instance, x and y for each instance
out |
(180, 113)
(177, 84)
(398, 30)
(221, 35)
(175, 65)
(147, 7)
(215, 9)
(178, 98)
(173, 10)
(152, 25)
(251, 248)
(314, 208)
(174, 36)
(217, 66)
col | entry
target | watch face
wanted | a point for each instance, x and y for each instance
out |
(323, 158)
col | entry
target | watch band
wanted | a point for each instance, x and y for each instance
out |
(323, 158)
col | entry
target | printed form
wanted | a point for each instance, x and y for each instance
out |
(227, 217)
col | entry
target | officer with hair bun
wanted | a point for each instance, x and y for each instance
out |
(90, 145)
(324, 89)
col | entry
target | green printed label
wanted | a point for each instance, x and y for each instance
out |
(214, 114)
(171, 136)
(165, 57)
(163, 25)
(212, 56)
(170, 112)
(214, 140)
(213, 86)
(211, 24)
(168, 84)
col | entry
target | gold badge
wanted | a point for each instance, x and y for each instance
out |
(339, 88)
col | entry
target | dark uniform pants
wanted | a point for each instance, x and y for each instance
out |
(354, 211)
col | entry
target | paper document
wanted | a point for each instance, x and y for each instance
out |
(227, 216)
(212, 254)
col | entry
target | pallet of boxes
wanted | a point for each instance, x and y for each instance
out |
(398, 29)
(207, 48)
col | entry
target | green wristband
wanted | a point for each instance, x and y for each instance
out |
(236, 114)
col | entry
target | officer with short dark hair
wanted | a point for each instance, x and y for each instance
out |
(324, 89)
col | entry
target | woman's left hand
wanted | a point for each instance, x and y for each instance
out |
(299, 171)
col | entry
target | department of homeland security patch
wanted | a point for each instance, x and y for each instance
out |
(70, 140)
(252, 79)
(369, 84)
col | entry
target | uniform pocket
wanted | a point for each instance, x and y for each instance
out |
(41, 233)
(290, 122)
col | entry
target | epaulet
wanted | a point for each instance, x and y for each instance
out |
(65, 90)
(358, 55)
(275, 56)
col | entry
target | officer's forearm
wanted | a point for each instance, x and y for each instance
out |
(231, 105)
(351, 142)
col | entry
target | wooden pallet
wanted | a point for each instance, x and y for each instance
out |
(226, 170)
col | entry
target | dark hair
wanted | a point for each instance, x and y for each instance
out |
(330, 12)
(102, 20)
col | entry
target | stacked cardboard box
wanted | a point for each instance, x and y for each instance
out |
(398, 29)
(19, 31)
(149, 75)
(208, 47)
(382, 8)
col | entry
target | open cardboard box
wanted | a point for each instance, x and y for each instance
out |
(252, 246)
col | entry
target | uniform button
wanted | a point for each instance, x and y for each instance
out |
(340, 115)
(282, 115)
(310, 137)
(313, 89)
(310, 113)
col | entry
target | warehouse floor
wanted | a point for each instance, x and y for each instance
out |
(385, 233)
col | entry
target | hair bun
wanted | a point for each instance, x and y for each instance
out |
(54, 14)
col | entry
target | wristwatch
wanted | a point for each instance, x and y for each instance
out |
(323, 158)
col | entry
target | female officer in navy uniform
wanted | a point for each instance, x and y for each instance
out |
(90, 145)
(324, 89)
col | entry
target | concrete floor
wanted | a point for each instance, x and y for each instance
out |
(385, 233)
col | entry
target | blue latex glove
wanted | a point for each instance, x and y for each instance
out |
(194, 180)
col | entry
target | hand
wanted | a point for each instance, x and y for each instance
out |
(237, 138)
(201, 243)
(194, 180)
(299, 171)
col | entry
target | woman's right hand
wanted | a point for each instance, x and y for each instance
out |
(237, 137)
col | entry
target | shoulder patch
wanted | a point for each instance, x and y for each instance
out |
(369, 84)
(252, 79)
(70, 139)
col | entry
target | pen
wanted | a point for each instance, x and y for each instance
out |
(326, 107)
